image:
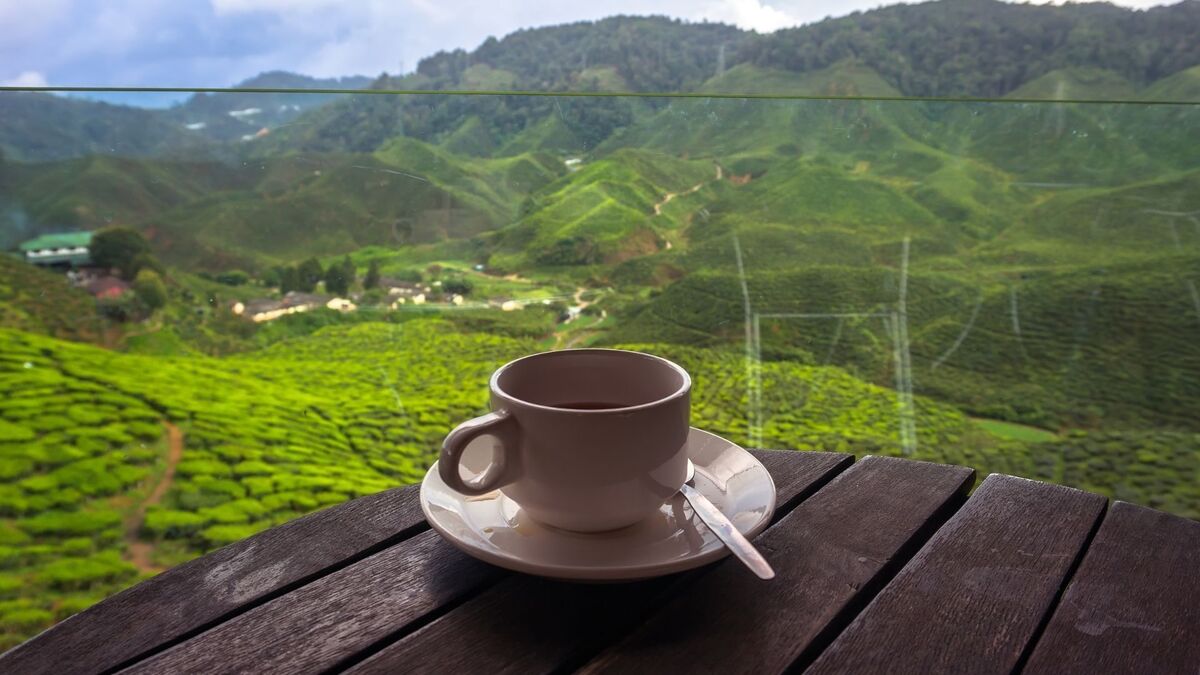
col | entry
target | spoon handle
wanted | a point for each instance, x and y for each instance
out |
(734, 540)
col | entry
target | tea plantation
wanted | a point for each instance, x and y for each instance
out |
(94, 497)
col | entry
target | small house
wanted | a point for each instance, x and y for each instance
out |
(107, 287)
(294, 302)
(67, 249)
(341, 305)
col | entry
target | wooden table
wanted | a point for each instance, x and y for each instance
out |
(884, 565)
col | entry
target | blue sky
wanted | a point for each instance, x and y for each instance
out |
(214, 43)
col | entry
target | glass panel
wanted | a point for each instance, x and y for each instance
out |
(287, 300)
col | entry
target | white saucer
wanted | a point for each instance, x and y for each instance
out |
(494, 529)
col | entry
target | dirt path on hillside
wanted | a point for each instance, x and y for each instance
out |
(561, 333)
(140, 551)
(695, 188)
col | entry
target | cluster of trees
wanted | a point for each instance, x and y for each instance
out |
(124, 250)
(339, 278)
(127, 252)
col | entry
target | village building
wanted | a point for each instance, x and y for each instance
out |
(106, 287)
(294, 302)
(65, 250)
(341, 305)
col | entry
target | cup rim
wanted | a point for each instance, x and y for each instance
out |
(494, 382)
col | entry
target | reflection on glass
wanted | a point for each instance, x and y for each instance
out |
(284, 302)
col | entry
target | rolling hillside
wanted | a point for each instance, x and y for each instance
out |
(607, 212)
(115, 465)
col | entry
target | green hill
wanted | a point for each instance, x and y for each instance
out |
(406, 193)
(229, 116)
(493, 186)
(1097, 347)
(845, 78)
(37, 301)
(42, 127)
(1076, 84)
(94, 191)
(604, 213)
(1182, 86)
(1083, 227)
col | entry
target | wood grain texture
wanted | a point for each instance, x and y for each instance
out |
(1134, 604)
(974, 596)
(528, 625)
(198, 593)
(314, 627)
(830, 554)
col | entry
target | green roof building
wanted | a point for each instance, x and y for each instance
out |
(60, 250)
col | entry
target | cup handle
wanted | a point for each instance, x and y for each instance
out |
(500, 472)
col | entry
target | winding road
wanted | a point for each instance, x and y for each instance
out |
(695, 188)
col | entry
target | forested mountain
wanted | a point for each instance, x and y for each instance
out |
(950, 48)
(39, 127)
(989, 48)
(232, 116)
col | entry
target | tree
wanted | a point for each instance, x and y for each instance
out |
(459, 286)
(349, 272)
(121, 248)
(335, 280)
(150, 290)
(340, 277)
(372, 297)
(308, 274)
(273, 276)
(289, 279)
(232, 278)
(372, 278)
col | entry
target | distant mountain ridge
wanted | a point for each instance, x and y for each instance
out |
(949, 48)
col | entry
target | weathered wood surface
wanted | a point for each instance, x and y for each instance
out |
(209, 589)
(830, 554)
(528, 625)
(1134, 604)
(972, 599)
(883, 565)
(333, 618)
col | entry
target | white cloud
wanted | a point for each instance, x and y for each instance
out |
(28, 78)
(751, 15)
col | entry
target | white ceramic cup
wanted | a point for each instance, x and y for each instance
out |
(588, 469)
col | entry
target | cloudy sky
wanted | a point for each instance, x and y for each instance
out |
(214, 43)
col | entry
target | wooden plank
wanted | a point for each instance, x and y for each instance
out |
(318, 625)
(974, 596)
(199, 593)
(529, 625)
(831, 554)
(1134, 604)
(339, 616)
